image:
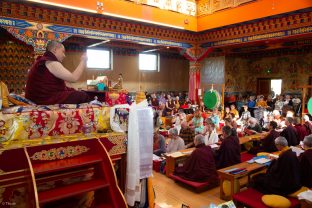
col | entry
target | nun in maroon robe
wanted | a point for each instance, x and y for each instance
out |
(268, 144)
(200, 166)
(306, 162)
(301, 129)
(44, 88)
(290, 133)
(229, 152)
(283, 174)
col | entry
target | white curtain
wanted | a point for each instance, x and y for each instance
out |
(139, 152)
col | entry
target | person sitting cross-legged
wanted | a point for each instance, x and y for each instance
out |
(301, 129)
(229, 152)
(210, 134)
(46, 79)
(187, 134)
(306, 162)
(254, 126)
(175, 143)
(200, 166)
(159, 146)
(198, 122)
(283, 174)
(268, 142)
(290, 133)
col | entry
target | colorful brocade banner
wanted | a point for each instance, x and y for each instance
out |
(10, 22)
(266, 36)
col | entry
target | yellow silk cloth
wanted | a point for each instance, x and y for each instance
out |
(39, 126)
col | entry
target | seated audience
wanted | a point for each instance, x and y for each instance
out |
(288, 100)
(254, 126)
(169, 106)
(245, 116)
(202, 107)
(178, 119)
(279, 103)
(283, 174)
(267, 117)
(198, 122)
(187, 103)
(270, 103)
(306, 162)
(251, 102)
(290, 133)
(277, 118)
(229, 152)
(301, 130)
(210, 134)
(157, 118)
(227, 112)
(176, 143)
(154, 101)
(268, 142)
(46, 79)
(234, 112)
(162, 99)
(229, 122)
(176, 104)
(159, 146)
(200, 166)
(307, 124)
(215, 117)
(261, 102)
(187, 134)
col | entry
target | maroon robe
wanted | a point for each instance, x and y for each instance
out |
(301, 131)
(282, 176)
(308, 126)
(291, 135)
(229, 152)
(155, 102)
(268, 142)
(43, 87)
(200, 166)
(306, 168)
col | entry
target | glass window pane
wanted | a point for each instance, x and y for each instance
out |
(148, 62)
(99, 59)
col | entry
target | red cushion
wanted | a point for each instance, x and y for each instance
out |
(252, 198)
(245, 156)
(156, 165)
(196, 185)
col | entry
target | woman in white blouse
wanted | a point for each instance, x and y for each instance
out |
(210, 133)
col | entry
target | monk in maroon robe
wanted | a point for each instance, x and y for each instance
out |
(200, 166)
(306, 162)
(307, 124)
(301, 129)
(229, 152)
(290, 133)
(268, 144)
(45, 83)
(283, 174)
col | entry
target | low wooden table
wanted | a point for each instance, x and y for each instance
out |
(251, 168)
(245, 139)
(171, 161)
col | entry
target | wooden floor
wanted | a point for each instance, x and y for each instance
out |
(173, 195)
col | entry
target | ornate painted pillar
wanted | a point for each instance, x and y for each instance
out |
(195, 55)
(194, 80)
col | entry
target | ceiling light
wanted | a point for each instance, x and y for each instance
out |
(63, 5)
(99, 43)
(151, 50)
